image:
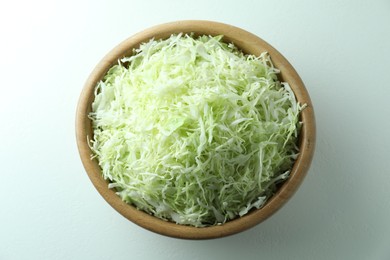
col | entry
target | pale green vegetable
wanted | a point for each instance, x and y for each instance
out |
(193, 131)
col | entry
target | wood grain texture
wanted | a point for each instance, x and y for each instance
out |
(248, 43)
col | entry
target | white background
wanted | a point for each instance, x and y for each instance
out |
(50, 210)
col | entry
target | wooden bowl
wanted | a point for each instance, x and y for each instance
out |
(248, 43)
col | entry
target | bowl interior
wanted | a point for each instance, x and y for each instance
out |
(248, 43)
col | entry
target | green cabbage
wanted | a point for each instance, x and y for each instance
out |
(193, 131)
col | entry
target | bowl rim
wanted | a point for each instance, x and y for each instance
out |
(245, 41)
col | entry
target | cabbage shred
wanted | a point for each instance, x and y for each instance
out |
(193, 131)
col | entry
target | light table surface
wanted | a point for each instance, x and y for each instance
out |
(50, 209)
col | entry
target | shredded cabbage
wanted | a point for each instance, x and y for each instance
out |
(193, 131)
